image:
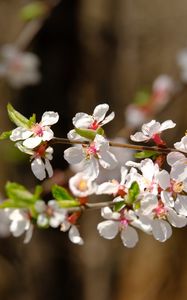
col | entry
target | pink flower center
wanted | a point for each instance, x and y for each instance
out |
(37, 129)
(124, 222)
(121, 190)
(94, 125)
(160, 211)
(157, 139)
(40, 151)
(91, 150)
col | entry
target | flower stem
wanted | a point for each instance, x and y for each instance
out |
(165, 150)
(90, 206)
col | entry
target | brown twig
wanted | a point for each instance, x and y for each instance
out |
(57, 140)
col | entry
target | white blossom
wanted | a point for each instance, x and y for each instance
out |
(162, 215)
(117, 222)
(95, 121)
(20, 223)
(20, 68)
(40, 160)
(97, 152)
(49, 214)
(38, 133)
(82, 185)
(152, 130)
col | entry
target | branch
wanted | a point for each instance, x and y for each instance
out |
(90, 206)
(57, 140)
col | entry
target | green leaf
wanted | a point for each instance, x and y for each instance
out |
(60, 193)
(12, 204)
(68, 203)
(17, 118)
(37, 192)
(119, 205)
(5, 135)
(133, 192)
(89, 133)
(33, 10)
(18, 193)
(145, 154)
(142, 97)
(32, 120)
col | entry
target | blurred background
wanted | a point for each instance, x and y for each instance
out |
(92, 52)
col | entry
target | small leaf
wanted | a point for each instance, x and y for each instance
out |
(12, 204)
(89, 133)
(5, 135)
(17, 118)
(68, 203)
(145, 154)
(100, 131)
(133, 192)
(18, 193)
(60, 193)
(86, 133)
(33, 10)
(142, 97)
(119, 205)
(37, 192)
(32, 120)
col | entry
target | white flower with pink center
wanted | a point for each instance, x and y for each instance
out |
(161, 213)
(37, 133)
(95, 121)
(118, 222)
(40, 160)
(178, 163)
(19, 68)
(152, 130)
(151, 179)
(93, 154)
(114, 187)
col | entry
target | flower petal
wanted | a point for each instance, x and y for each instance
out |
(109, 118)
(175, 219)
(28, 234)
(82, 120)
(47, 134)
(129, 237)
(167, 125)
(108, 160)
(173, 157)
(49, 168)
(32, 142)
(161, 230)
(108, 229)
(148, 203)
(74, 236)
(38, 168)
(20, 133)
(49, 118)
(163, 178)
(73, 155)
(100, 112)
(107, 188)
(181, 205)
(139, 137)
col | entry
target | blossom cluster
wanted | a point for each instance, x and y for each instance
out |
(144, 196)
